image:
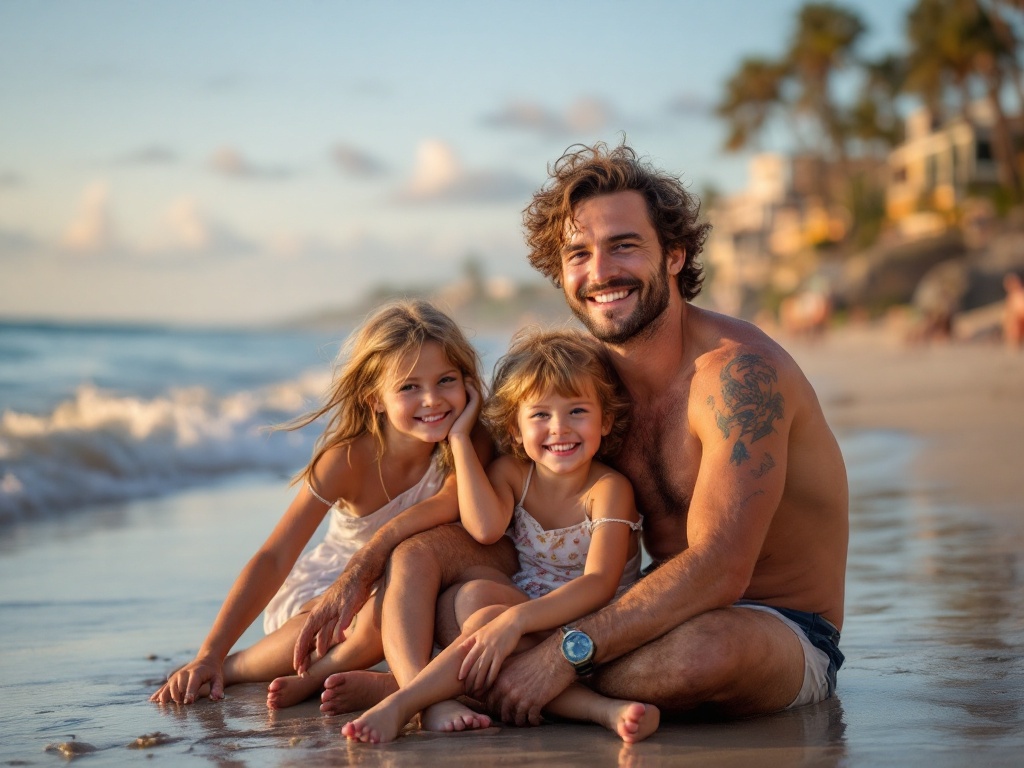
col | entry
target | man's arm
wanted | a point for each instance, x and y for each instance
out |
(738, 413)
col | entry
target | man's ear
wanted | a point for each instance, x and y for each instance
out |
(675, 260)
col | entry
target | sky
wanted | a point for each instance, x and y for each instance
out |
(248, 162)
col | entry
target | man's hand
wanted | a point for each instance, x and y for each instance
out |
(326, 623)
(183, 686)
(528, 681)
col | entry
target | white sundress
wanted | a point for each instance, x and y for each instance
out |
(549, 559)
(316, 570)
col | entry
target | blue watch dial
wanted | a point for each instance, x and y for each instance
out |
(577, 647)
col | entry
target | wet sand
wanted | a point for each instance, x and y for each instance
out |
(98, 606)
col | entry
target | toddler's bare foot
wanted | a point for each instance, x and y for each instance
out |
(290, 690)
(631, 720)
(380, 724)
(448, 716)
(355, 691)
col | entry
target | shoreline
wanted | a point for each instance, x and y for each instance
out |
(95, 614)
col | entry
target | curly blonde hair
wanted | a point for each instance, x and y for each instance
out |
(584, 172)
(368, 360)
(563, 361)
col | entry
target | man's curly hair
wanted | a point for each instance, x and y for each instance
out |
(584, 172)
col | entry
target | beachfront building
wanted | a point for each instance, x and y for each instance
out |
(765, 237)
(936, 168)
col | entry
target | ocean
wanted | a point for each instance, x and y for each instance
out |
(99, 414)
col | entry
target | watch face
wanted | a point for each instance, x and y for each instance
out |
(577, 647)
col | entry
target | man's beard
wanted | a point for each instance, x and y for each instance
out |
(651, 302)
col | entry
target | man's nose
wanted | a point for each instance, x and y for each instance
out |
(603, 266)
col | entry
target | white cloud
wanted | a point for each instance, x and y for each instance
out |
(228, 161)
(153, 154)
(355, 162)
(186, 228)
(440, 177)
(585, 115)
(91, 230)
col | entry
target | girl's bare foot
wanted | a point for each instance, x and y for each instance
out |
(380, 724)
(631, 720)
(355, 691)
(448, 716)
(290, 690)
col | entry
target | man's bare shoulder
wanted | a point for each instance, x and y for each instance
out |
(727, 345)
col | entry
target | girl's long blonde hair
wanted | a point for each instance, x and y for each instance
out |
(368, 361)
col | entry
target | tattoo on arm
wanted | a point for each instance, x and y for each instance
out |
(750, 402)
(765, 467)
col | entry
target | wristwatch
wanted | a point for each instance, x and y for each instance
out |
(578, 650)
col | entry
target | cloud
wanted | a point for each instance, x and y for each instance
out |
(355, 162)
(439, 177)
(585, 115)
(188, 229)
(153, 154)
(11, 179)
(229, 162)
(690, 104)
(12, 242)
(91, 230)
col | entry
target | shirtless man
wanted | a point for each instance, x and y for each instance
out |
(739, 478)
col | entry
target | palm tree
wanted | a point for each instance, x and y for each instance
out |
(752, 95)
(957, 48)
(822, 45)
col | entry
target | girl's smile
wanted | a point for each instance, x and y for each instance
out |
(425, 396)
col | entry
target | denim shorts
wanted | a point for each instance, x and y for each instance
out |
(822, 635)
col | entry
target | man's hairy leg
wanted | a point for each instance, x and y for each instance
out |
(733, 662)
(419, 569)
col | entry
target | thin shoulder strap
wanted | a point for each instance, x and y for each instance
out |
(526, 485)
(317, 496)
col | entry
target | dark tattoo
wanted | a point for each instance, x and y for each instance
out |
(749, 401)
(766, 465)
(739, 454)
(710, 401)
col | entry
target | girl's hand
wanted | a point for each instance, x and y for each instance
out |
(467, 419)
(183, 686)
(488, 648)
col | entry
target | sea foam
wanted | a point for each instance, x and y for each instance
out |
(102, 446)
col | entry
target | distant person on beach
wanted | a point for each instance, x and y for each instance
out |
(1013, 311)
(383, 457)
(740, 481)
(555, 407)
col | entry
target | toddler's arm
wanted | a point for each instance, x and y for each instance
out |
(612, 499)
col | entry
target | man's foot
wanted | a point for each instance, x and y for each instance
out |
(290, 690)
(631, 720)
(449, 716)
(355, 691)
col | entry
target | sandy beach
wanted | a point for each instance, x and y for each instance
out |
(98, 608)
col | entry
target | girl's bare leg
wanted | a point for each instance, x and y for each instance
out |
(439, 681)
(418, 570)
(630, 720)
(360, 649)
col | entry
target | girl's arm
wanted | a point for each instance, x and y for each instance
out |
(485, 497)
(612, 497)
(258, 583)
(350, 591)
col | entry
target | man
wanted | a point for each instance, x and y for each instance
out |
(739, 478)
(741, 483)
